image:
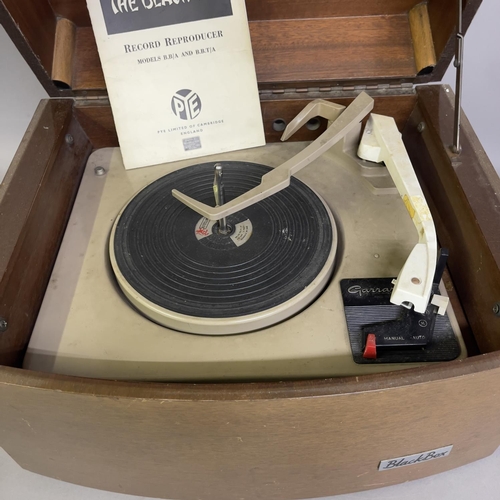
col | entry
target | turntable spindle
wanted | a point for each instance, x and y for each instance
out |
(219, 197)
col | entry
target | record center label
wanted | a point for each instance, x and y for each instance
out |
(242, 231)
(417, 458)
(204, 228)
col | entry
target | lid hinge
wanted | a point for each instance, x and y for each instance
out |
(89, 99)
(336, 91)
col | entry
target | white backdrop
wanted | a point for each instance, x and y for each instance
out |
(20, 93)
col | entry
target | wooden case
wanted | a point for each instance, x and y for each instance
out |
(274, 440)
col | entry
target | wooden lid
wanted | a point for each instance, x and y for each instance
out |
(297, 44)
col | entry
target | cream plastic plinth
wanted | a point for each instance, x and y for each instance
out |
(87, 327)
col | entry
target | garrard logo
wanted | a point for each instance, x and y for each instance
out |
(361, 291)
(186, 104)
(418, 458)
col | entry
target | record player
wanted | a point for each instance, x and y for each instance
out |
(287, 286)
(224, 336)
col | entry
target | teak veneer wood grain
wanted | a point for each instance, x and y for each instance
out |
(76, 10)
(64, 47)
(272, 440)
(296, 44)
(97, 120)
(442, 18)
(464, 195)
(423, 44)
(264, 440)
(87, 70)
(35, 202)
(36, 22)
(292, 51)
(377, 47)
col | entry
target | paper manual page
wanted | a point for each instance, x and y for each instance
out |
(180, 76)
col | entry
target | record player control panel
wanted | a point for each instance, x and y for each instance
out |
(410, 332)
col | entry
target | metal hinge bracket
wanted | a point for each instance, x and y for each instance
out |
(331, 92)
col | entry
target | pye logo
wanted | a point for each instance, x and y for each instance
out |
(186, 104)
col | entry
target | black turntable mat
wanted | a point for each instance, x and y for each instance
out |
(176, 259)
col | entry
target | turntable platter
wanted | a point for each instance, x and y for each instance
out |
(180, 271)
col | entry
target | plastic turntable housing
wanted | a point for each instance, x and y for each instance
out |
(275, 439)
(273, 287)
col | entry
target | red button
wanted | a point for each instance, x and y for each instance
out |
(371, 347)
